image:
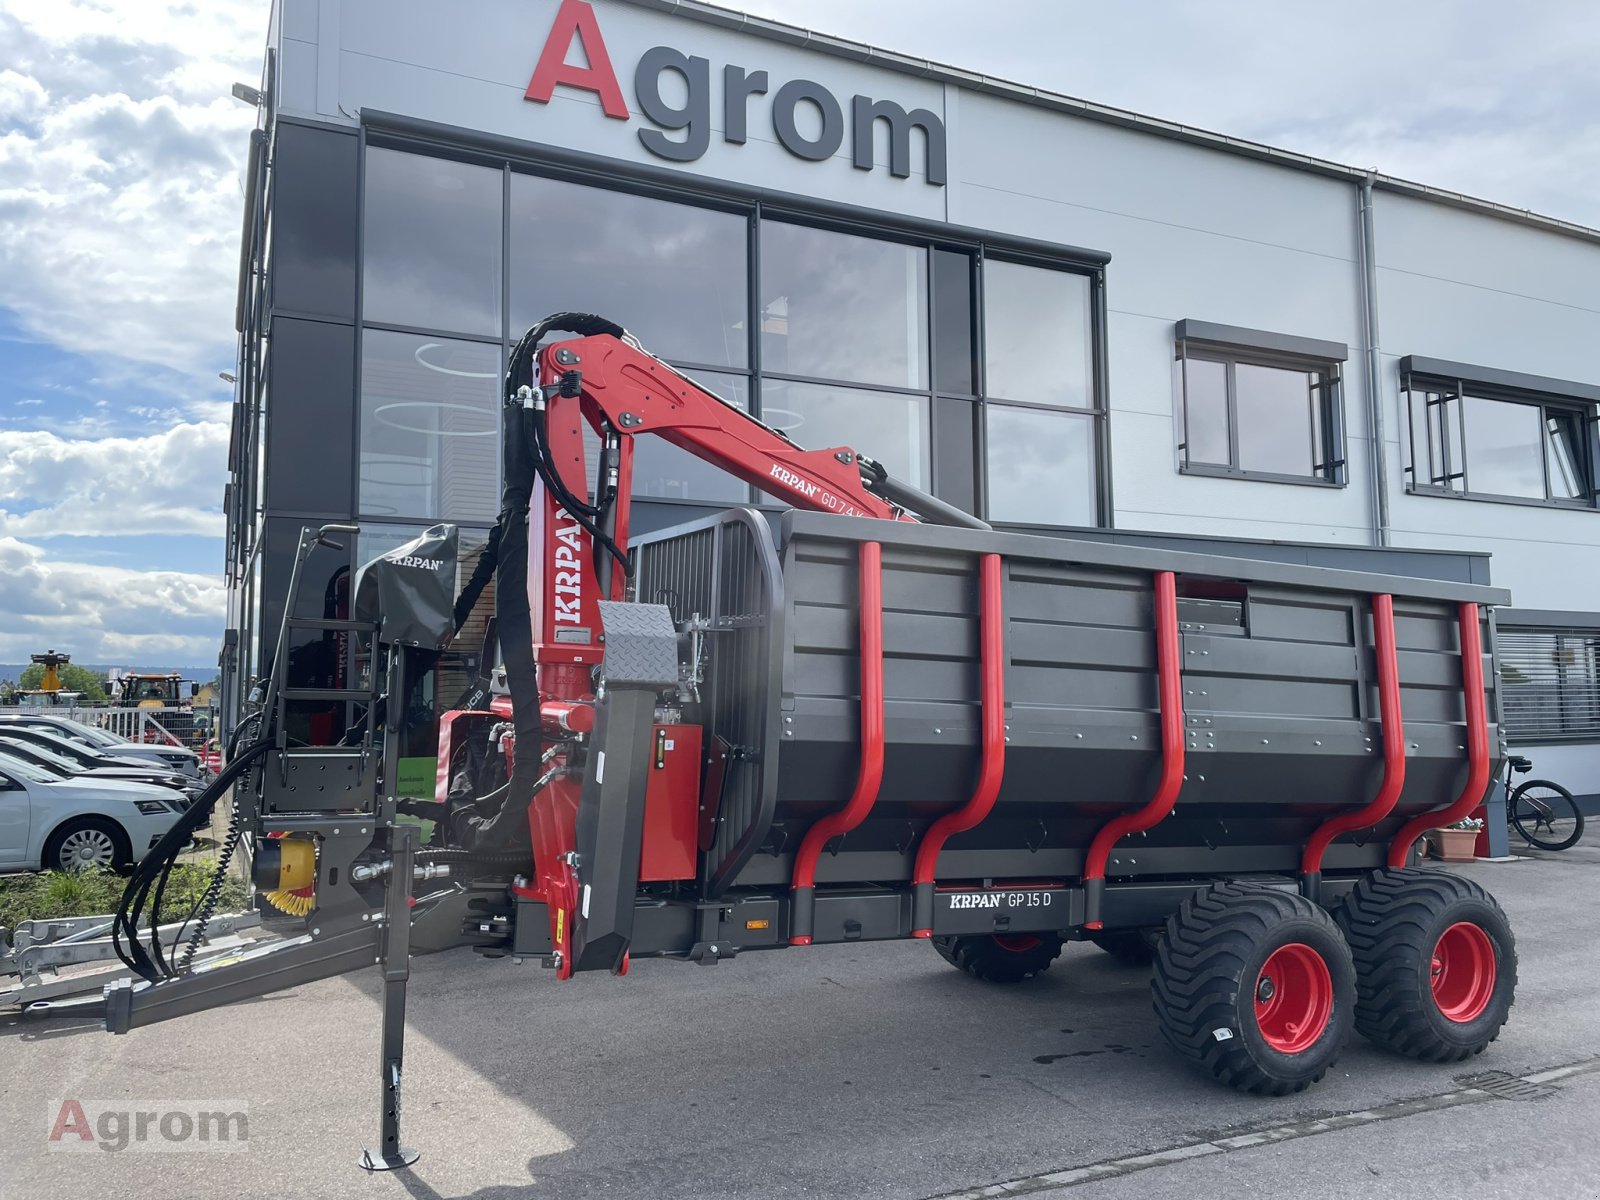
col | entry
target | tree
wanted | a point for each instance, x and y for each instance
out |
(73, 679)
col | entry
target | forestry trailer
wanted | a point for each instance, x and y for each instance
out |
(872, 718)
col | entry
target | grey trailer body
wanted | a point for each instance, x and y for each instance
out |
(1280, 699)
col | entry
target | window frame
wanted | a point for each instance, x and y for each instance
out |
(1329, 448)
(1097, 412)
(1453, 385)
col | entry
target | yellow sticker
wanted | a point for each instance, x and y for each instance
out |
(560, 914)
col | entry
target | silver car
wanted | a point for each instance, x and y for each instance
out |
(49, 823)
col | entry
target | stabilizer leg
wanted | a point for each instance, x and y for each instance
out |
(395, 963)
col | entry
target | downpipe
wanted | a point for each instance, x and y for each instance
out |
(1376, 426)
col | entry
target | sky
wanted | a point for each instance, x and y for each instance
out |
(121, 159)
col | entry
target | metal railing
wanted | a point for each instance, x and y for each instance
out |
(171, 726)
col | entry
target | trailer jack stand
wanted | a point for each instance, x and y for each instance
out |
(395, 962)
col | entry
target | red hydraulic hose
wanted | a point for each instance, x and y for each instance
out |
(1477, 744)
(1170, 700)
(992, 666)
(870, 774)
(1394, 744)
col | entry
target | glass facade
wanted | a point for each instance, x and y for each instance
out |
(835, 337)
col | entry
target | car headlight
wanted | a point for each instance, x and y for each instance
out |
(152, 808)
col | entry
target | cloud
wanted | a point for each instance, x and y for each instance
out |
(105, 614)
(120, 161)
(1467, 95)
(162, 483)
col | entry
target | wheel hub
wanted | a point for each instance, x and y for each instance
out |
(1462, 972)
(1293, 998)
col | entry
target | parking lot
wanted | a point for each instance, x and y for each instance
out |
(857, 1071)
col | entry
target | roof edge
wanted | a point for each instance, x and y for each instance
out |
(923, 68)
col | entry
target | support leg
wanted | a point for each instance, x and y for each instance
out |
(396, 965)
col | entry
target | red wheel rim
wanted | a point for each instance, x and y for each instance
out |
(1463, 972)
(1294, 998)
(1017, 943)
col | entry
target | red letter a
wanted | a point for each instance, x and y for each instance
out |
(577, 18)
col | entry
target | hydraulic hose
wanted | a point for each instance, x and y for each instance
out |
(156, 866)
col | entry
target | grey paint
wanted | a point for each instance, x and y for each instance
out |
(1516, 381)
(314, 220)
(1189, 330)
(311, 367)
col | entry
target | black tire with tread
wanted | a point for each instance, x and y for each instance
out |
(1392, 920)
(1203, 987)
(1131, 947)
(982, 957)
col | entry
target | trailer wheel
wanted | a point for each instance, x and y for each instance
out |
(1255, 987)
(1000, 957)
(1132, 947)
(1436, 963)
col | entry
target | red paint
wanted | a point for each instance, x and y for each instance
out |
(1293, 998)
(1394, 743)
(577, 19)
(870, 774)
(671, 805)
(1462, 972)
(1170, 699)
(553, 823)
(1477, 743)
(992, 666)
(562, 717)
(619, 379)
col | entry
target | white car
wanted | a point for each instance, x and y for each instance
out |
(158, 754)
(48, 823)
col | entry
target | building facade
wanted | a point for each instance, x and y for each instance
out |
(1058, 316)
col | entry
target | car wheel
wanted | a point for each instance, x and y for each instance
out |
(88, 844)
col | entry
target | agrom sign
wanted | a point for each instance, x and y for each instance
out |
(816, 137)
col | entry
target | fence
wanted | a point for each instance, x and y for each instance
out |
(172, 726)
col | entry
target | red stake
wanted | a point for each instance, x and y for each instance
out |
(870, 774)
(1170, 699)
(1477, 744)
(1394, 743)
(992, 665)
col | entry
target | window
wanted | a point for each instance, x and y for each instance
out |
(1471, 438)
(1549, 683)
(919, 353)
(835, 306)
(1040, 413)
(674, 275)
(1264, 411)
(432, 243)
(430, 428)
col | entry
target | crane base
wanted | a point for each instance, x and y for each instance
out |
(371, 1160)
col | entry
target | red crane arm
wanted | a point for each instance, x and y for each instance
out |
(633, 392)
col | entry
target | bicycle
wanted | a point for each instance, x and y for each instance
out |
(1543, 813)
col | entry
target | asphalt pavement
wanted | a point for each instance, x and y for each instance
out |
(851, 1072)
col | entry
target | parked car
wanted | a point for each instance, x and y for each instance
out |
(176, 758)
(64, 767)
(48, 823)
(87, 758)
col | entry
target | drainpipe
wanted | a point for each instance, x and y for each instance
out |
(1377, 436)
